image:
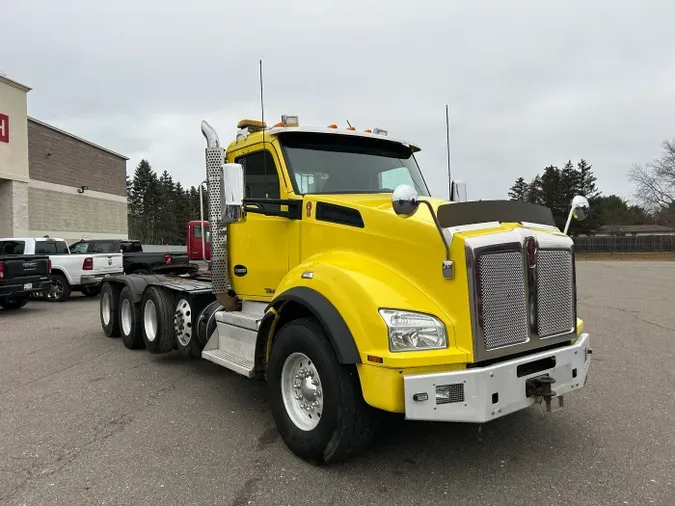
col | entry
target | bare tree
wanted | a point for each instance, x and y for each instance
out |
(655, 183)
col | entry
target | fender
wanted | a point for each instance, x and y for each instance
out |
(324, 311)
(345, 292)
(136, 283)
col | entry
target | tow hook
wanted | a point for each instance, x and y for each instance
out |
(540, 388)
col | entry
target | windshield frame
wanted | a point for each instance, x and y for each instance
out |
(325, 142)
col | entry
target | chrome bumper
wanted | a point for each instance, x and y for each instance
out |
(483, 394)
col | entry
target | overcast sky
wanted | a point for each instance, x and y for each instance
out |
(529, 83)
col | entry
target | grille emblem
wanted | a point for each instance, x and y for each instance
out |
(531, 252)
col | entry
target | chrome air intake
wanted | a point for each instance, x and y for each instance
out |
(215, 158)
(523, 292)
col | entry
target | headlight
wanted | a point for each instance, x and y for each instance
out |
(410, 331)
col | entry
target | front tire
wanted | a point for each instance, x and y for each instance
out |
(130, 321)
(316, 402)
(157, 315)
(108, 309)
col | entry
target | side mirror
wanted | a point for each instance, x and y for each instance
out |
(404, 200)
(579, 210)
(580, 207)
(458, 191)
(232, 192)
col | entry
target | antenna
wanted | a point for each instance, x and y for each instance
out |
(447, 135)
(262, 118)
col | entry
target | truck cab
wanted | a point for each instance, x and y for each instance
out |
(340, 281)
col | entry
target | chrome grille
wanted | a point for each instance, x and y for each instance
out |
(555, 297)
(503, 300)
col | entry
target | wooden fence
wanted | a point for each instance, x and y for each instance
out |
(629, 244)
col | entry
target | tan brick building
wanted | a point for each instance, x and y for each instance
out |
(53, 182)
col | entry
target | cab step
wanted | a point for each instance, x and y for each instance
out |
(230, 361)
(233, 343)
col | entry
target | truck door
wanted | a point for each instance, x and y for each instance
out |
(195, 240)
(258, 247)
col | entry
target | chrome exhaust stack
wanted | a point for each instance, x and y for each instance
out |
(215, 160)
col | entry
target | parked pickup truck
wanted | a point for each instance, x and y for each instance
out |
(70, 272)
(21, 276)
(136, 261)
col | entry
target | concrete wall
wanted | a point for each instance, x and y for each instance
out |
(13, 208)
(14, 154)
(62, 212)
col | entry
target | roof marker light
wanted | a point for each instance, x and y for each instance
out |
(351, 128)
(252, 125)
(368, 131)
(332, 125)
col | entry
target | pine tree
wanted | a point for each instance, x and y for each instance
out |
(519, 190)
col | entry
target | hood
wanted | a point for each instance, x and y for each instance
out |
(491, 213)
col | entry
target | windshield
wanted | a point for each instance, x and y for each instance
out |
(328, 163)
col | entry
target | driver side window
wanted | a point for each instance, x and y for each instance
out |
(260, 175)
(261, 179)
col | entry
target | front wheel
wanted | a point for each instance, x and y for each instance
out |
(316, 402)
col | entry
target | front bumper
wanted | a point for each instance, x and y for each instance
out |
(485, 393)
(96, 279)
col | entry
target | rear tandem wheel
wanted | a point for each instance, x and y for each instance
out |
(108, 309)
(157, 312)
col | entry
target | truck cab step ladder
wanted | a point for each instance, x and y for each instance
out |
(232, 344)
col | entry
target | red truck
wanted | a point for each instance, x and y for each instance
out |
(198, 242)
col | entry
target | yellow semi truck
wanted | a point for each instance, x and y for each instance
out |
(337, 278)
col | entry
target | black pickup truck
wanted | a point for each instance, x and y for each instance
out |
(135, 260)
(21, 276)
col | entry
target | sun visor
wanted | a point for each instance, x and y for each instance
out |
(468, 213)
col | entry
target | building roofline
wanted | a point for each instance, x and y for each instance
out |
(97, 146)
(14, 84)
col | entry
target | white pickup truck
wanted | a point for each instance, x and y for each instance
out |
(70, 271)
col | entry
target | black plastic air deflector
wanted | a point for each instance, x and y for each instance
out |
(339, 214)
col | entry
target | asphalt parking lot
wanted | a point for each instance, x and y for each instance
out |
(85, 421)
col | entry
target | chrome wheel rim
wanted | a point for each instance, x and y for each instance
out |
(125, 318)
(105, 308)
(182, 322)
(56, 289)
(150, 320)
(301, 391)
